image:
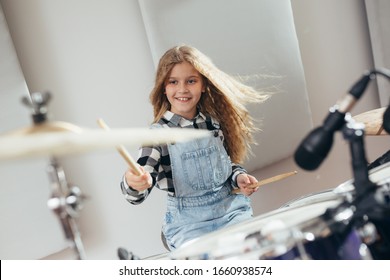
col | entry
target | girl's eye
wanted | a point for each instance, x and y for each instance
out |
(192, 81)
(172, 82)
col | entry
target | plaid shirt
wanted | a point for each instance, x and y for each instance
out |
(157, 162)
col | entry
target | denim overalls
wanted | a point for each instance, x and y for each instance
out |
(203, 201)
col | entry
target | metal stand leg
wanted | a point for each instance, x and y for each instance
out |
(65, 203)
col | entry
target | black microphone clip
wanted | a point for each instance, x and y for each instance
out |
(386, 120)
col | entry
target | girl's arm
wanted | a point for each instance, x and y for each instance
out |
(136, 188)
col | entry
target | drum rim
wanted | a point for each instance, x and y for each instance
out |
(346, 188)
(374, 173)
(291, 203)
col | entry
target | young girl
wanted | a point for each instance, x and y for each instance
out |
(192, 93)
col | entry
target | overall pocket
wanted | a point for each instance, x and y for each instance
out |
(206, 168)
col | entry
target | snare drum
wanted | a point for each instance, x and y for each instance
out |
(296, 233)
(378, 239)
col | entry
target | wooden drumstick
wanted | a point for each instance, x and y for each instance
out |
(123, 152)
(267, 181)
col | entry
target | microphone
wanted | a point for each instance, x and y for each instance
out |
(317, 144)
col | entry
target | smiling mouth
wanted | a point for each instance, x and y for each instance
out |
(183, 98)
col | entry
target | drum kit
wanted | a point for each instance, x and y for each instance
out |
(320, 226)
(346, 222)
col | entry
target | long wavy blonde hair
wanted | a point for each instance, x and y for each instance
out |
(224, 99)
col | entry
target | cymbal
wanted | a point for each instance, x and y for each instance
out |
(60, 138)
(373, 121)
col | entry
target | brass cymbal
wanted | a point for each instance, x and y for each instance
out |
(60, 138)
(373, 121)
(45, 127)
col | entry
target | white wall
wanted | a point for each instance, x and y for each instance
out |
(245, 47)
(23, 198)
(104, 80)
(93, 69)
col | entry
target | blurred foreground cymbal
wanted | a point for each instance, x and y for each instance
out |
(373, 121)
(61, 138)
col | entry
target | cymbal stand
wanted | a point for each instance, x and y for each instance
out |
(65, 200)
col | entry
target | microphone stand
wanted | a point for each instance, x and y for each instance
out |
(354, 133)
(365, 207)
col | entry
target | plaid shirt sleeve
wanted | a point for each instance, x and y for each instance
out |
(149, 158)
(236, 170)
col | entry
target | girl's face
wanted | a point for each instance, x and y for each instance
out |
(184, 88)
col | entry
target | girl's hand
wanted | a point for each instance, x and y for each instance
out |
(243, 181)
(138, 182)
